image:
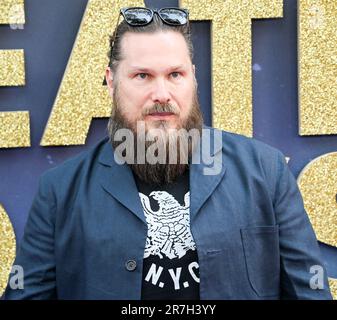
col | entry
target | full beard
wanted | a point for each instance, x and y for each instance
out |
(163, 172)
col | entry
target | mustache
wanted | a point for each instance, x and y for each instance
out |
(167, 107)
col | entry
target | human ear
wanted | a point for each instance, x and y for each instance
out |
(109, 80)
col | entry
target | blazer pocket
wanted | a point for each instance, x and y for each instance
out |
(262, 255)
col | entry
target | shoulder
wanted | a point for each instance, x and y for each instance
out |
(233, 143)
(75, 166)
(251, 158)
(247, 145)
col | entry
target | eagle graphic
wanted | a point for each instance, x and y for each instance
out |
(169, 227)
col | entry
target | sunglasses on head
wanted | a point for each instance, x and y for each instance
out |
(138, 16)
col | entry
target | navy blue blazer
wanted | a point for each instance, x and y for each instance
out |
(253, 236)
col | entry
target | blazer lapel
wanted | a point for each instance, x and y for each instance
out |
(119, 182)
(202, 184)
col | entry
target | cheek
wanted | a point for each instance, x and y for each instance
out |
(132, 101)
(186, 101)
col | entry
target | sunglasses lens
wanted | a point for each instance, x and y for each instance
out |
(174, 16)
(137, 16)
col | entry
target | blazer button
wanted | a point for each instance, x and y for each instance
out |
(131, 265)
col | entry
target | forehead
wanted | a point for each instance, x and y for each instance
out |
(154, 49)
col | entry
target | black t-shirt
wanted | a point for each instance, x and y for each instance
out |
(170, 268)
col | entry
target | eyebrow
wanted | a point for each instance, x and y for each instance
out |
(146, 70)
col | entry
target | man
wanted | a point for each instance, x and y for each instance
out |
(114, 224)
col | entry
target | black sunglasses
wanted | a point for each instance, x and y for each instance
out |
(138, 16)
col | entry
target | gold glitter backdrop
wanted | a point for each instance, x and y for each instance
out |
(317, 66)
(318, 185)
(82, 96)
(232, 56)
(15, 130)
(14, 126)
(12, 68)
(12, 12)
(333, 287)
(7, 248)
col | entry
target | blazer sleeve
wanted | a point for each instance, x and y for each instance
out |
(299, 248)
(36, 252)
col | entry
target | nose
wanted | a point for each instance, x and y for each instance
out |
(161, 93)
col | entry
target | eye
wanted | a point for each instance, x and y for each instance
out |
(142, 75)
(175, 75)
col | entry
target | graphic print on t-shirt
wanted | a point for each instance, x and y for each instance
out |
(168, 227)
(171, 269)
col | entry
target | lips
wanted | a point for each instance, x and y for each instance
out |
(161, 114)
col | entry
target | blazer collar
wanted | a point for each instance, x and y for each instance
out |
(119, 182)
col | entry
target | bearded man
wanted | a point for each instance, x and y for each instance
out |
(127, 220)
